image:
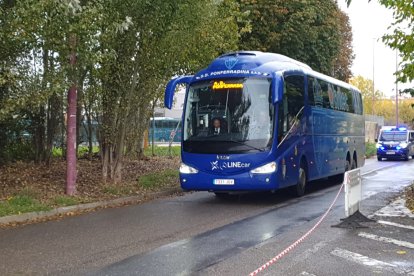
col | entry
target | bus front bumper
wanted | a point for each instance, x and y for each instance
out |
(245, 181)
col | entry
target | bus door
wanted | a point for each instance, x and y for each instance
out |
(291, 128)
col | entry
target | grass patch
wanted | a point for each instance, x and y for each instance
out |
(82, 150)
(370, 149)
(116, 190)
(65, 200)
(21, 204)
(163, 151)
(158, 179)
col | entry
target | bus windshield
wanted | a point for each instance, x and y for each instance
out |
(228, 116)
(395, 136)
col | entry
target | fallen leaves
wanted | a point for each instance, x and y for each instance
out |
(46, 183)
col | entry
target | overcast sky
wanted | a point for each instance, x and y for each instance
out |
(369, 22)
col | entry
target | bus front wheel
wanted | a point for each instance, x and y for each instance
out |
(299, 188)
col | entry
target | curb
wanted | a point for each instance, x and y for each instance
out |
(87, 207)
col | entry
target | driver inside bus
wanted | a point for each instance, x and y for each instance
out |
(217, 127)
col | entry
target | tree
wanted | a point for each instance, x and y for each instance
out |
(309, 31)
(401, 37)
(163, 39)
(345, 56)
(371, 101)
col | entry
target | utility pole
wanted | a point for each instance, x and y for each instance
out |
(396, 87)
(71, 155)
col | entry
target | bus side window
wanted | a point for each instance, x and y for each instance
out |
(349, 99)
(314, 92)
(311, 93)
(293, 101)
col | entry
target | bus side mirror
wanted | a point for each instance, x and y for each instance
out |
(376, 140)
(170, 89)
(277, 87)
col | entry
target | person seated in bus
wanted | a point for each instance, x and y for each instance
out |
(217, 127)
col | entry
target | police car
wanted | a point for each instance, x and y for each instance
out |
(395, 143)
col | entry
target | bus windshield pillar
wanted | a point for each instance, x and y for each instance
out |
(277, 87)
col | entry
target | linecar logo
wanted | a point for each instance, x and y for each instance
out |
(214, 165)
(230, 62)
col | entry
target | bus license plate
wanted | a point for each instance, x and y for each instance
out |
(390, 152)
(223, 182)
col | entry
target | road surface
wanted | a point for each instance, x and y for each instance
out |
(199, 234)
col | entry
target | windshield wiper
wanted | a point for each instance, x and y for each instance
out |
(244, 144)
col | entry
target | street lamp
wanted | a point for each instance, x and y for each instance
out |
(373, 74)
(396, 86)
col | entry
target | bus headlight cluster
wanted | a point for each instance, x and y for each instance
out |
(185, 169)
(378, 145)
(268, 168)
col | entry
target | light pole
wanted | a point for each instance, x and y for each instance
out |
(396, 87)
(373, 74)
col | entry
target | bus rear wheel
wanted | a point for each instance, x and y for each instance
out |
(300, 187)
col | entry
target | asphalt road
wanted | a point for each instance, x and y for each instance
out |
(198, 234)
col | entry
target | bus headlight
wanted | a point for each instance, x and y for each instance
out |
(403, 145)
(268, 168)
(378, 145)
(187, 169)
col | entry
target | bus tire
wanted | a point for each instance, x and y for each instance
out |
(347, 165)
(354, 165)
(300, 187)
(379, 158)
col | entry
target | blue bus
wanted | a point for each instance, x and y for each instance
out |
(257, 121)
(164, 129)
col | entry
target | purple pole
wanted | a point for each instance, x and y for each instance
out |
(71, 125)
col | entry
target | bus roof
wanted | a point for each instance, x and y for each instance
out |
(259, 64)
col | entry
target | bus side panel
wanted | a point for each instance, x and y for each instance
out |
(335, 133)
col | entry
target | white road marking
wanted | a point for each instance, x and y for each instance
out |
(395, 209)
(387, 240)
(364, 260)
(395, 224)
(304, 273)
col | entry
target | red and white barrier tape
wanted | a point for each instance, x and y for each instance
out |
(293, 245)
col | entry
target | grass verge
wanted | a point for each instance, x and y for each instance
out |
(21, 204)
(158, 179)
(163, 151)
(29, 187)
(370, 149)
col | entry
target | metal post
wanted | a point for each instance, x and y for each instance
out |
(71, 124)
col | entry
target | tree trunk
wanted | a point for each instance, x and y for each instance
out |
(71, 125)
(39, 136)
(52, 124)
(79, 116)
